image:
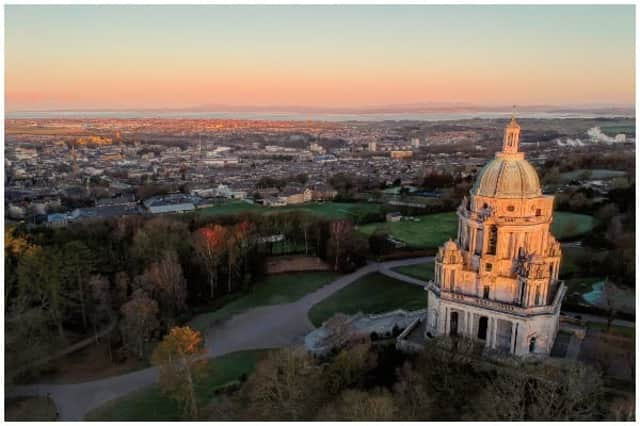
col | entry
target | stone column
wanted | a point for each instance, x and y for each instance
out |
(487, 342)
(494, 333)
(446, 321)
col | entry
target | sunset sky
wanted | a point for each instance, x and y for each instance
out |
(75, 57)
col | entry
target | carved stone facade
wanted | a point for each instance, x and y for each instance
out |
(498, 281)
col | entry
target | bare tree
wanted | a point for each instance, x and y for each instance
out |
(209, 246)
(168, 284)
(285, 386)
(340, 230)
(139, 321)
(610, 301)
(357, 405)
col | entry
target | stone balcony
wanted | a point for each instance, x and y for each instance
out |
(503, 307)
(502, 220)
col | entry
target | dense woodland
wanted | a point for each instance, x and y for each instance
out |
(449, 380)
(66, 284)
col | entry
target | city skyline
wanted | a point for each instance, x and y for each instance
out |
(118, 57)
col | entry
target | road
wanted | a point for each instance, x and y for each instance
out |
(270, 326)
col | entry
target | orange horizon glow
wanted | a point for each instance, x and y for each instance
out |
(173, 57)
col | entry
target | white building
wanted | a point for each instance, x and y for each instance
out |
(498, 282)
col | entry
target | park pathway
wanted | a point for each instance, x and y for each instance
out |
(271, 326)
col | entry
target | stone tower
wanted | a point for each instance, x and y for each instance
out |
(498, 281)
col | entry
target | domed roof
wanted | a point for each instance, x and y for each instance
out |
(507, 177)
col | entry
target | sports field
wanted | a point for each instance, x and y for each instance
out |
(429, 232)
(434, 229)
(329, 210)
(591, 174)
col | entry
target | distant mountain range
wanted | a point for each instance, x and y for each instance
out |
(416, 108)
(373, 109)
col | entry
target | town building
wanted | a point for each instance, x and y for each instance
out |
(401, 154)
(498, 281)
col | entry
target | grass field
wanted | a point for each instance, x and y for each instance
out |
(435, 229)
(31, 408)
(430, 232)
(230, 207)
(592, 173)
(421, 271)
(273, 290)
(371, 294)
(150, 404)
(328, 210)
(571, 225)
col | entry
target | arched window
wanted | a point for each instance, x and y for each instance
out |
(532, 344)
(486, 290)
(537, 302)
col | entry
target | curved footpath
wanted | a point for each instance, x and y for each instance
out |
(270, 326)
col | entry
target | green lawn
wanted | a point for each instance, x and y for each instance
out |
(333, 210)
(371, 294)
(592, 174)
(273, 290)
(230, 207)
(329, 210)
(430, 232)
(570, 225)
(150, 404)
(421, 271)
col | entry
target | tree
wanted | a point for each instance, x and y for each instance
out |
(610, 301)
(412, 395)
(27, 338)
(78, 265)
(348, 367)
(287, 385)
(139, 321)
(379, 243)
(305, 222)
(179, 361)
(209, 245)
(547, 391)
(15, 246)
(122, 283)
(357, 405)
(100, 300)
(156, 237)
(340, 230)
(168, 284)
(237, 245)
(40, 283)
